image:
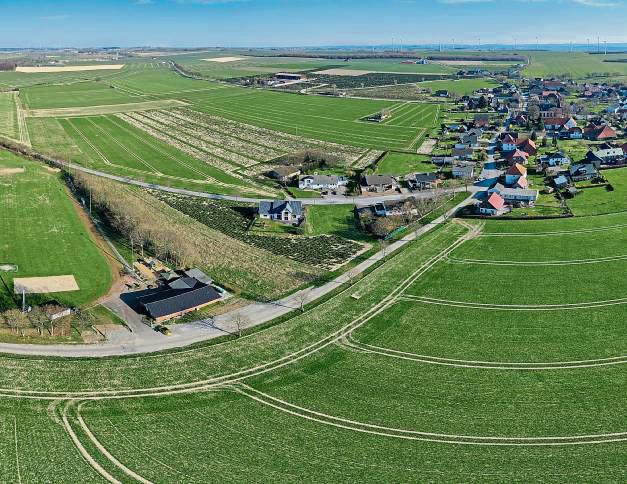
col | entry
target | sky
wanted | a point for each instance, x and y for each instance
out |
(280, 23)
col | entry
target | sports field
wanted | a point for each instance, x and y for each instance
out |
(41, 233)
(396, 378)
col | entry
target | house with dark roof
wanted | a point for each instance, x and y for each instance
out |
(465, 171)
(286, 211)
(284, 173)
(463, 153)
(581, 172)
(423, 181)
(378, 183)
(608, 156)
(179, 297)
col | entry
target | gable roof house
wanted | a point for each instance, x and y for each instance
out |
(558, 124)
(482, 120)
(597, 133)
(378, 183)
(284, 173)
(581, 172)
(608, 156)
(464, 153)
(508, 143)
(464, 171)
(321, 182)
(519, 195)
(528, 146)
(555, 159)
(493, 205)
(514, 173)
(571, 133)
(288, 211)
(422, 181)
(517, 157)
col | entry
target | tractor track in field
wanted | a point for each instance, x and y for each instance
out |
(405, 434)
(235, 377)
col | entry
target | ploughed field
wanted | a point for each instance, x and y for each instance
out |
(491, 352)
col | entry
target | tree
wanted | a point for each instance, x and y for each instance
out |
(534, 136)
(302, 298)
(22, 323)
(12, 317)
(534, 113)
(545, 142)
(52, 324)
(483, 102)
(38, 319)
(383, 247)
(240, 322)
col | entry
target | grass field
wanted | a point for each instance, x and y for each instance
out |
(594, 201)
(8, 116)
(395, 163)
(43, 235)
(461, 88)
(337, 220)
(575, 65)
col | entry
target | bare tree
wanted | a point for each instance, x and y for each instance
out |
(383, 247)
(302, 298)
(240, 322)
(12, 317)
(38, 319)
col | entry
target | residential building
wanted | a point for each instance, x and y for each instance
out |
(517, 195)
(555, 159)
(582, 172)
(493, 205)
(466, 171)
(378, 183)
(322, 182)
(286, 211)
(423, 181)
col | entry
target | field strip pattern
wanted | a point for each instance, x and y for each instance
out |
(514, 307)
(105, 109)
(573, 262)
(404, 434)
(352, 343)
(555, 233)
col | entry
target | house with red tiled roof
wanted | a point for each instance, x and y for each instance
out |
(557, 124)
(514, 173)
(517, 156)
(528, 146)
(600, 133)
(494, 205)
(508, 143)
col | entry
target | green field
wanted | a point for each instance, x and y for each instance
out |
(337, 220)
(395, 163)
(575, 65)
(600, 200)
(8, 116)
(412, 390)
(43, 235)
(461, 88)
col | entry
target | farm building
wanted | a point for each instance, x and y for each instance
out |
(179, 297)
(284, 173)
(289, 211)
(289, 76)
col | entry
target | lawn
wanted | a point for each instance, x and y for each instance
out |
(396, 163)
(337, 220)
(600, 200)
(41, 232)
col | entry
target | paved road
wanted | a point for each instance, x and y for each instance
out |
(143, 340)
(361, 200)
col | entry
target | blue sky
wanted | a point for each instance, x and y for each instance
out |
(177, 23)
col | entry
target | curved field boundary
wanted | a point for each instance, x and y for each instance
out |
(352, 343)
(515, 307)
(363, 427)
(212, 382)
(501, 263)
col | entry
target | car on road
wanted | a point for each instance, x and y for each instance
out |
(163, 330)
